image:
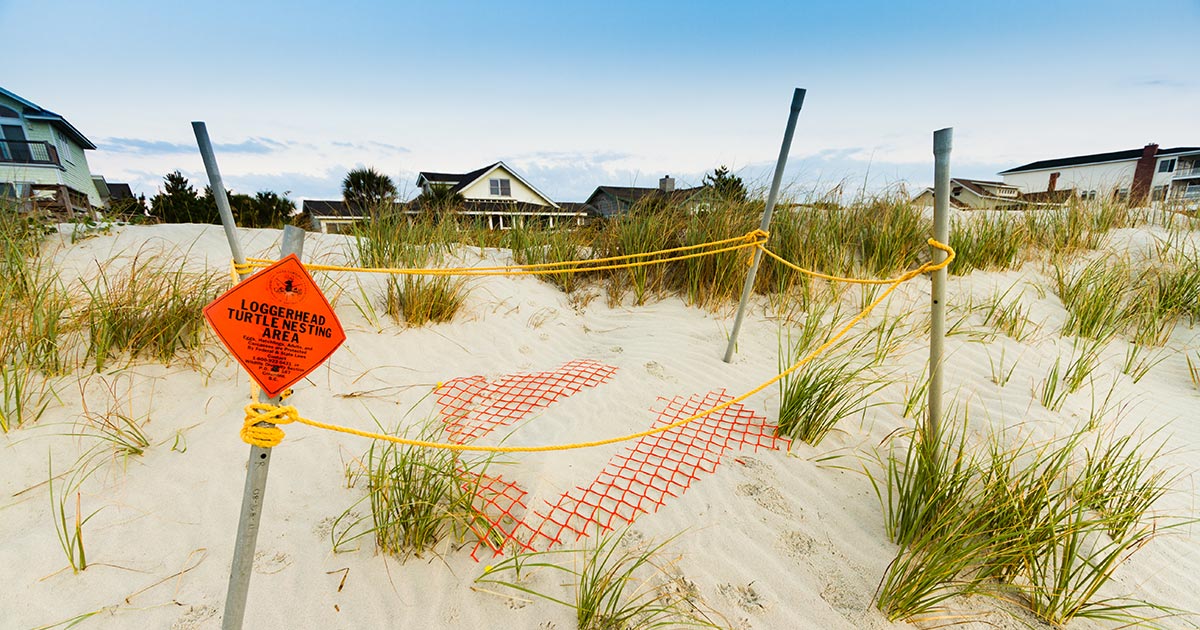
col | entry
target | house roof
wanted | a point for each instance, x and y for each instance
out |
(1096, 158)
(117, 190)
(633, 194)
(456, 181)
(977, 186)
(330, 208)
(460, 181)
(33, 111)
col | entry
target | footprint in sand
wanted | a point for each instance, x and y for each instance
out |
(744, 596)
(796, 544)
(655, 369)
(767, 497)
(270, 563)
(194, 617)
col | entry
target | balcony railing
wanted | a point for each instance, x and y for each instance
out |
(1183, 172)
(28, 152)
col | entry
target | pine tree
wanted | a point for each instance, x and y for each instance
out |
(725, 186)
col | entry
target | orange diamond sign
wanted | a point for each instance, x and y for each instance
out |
(277, 324)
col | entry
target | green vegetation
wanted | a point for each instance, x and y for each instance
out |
(1043, 524)
(151, 307)
(419, 497)
(178, 202)
(368, 192)
(617, 584)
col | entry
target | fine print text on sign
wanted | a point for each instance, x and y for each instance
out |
(277, 324)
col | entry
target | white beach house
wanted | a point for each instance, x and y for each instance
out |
(1136, 175)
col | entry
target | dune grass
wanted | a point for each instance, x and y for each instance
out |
(419, 497)
(34, 320)
(150, 308)
(1044, 524)
(986, 242)
(68, 529)
(395, 240)
(617, 584)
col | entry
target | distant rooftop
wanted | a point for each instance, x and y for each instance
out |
(1095, 158)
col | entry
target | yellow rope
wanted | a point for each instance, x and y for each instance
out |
(745, 241)
(818, 274)
(269, 436)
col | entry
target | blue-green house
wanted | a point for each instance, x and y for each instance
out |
(42, 157)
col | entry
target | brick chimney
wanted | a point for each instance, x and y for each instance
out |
(667, 184)
(1143, 175)
(1053, 185)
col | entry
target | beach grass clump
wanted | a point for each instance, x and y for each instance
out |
(986, 242)
(1096, 298)
(1168, 289)
(25, 395)
(394, 240)
(539, 246)
(1007, 315)
(1042, 524)
(115, 424)
(618, 583)
(422, 497)
(891, 234)
(1108, 297)
(925, 484)
(1063, 380)
(417, 300)
(35, 322)
(813, 399)
(151, 307)
(1062, 230)
(709, 281)
(641, 230)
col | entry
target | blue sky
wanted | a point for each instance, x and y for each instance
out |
(620, 93)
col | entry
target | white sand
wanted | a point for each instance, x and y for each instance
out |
(773, 540)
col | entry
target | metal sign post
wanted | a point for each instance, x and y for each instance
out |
(772, 197)
(254, 491)
(942, 141)
(260, 458)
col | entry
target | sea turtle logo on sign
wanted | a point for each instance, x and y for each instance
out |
(277, 324)
(287, 287)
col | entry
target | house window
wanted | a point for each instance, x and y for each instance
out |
(1122, 194)
(15, 190)
(1167, 166)
(1192, 191)
(64, 147)
(1158, 194)
(500, 187)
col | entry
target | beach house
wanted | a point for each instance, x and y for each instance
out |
(1133, 176)
(610, 201)
(979, 194)
(496, 195)
(42, 158)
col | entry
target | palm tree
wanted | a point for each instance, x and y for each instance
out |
(366, 190)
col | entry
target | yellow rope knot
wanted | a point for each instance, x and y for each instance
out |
(269, 435)
(758, 236)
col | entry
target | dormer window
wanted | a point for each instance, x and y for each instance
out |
(500, 187)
